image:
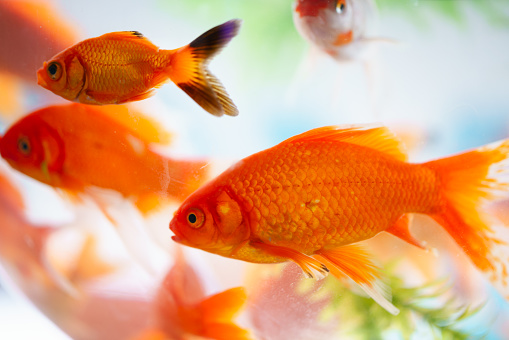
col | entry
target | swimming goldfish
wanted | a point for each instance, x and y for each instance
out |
(336, 27)
(121, 67)
(76, 146)
(183, 312)
(313, 197)
(30, 32)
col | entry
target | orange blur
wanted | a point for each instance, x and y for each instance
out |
(31, 32)
(183, 312)
(76, 146)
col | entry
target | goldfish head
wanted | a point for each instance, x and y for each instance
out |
(32, 147)
(330, 24)
(313, 8)
(211, 219)
(63, 75)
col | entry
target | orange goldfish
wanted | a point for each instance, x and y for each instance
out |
(336, 27)
(311, 198)
(76, 146)
(183, 312)
(121, 67)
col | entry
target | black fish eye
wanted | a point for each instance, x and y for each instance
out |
(195, 218)
(192, 218)
(24, 145)
(340, 6)
(54, 70)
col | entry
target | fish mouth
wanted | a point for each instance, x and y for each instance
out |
(176, 239)
(40, 79)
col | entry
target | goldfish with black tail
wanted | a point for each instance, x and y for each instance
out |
(122, 67)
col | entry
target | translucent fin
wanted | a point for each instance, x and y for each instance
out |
(310, 266)
(373, 137)
(129, 225)
(188, 70)
(148, 129)
(401, 229)
(355, 262)
(219, 311)
(469, 180)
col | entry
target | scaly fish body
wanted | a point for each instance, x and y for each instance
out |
(114, 62)
(324, 195)
(313, 197)
(121, 67)
(76, 146)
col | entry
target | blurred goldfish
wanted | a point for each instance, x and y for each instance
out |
(310, 198)
(23, 244)
(183, 312)
(336, 27)
(132, 67)
(30, 32)
(76, 146)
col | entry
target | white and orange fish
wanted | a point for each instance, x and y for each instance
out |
(336, 27)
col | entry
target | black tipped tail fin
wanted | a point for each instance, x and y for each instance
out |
(188, 69)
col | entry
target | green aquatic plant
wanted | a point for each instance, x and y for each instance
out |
(420, 308)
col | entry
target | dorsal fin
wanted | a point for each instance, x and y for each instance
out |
(375, 137)
(128, 35)
(146, 128)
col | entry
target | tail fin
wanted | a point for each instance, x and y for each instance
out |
(189, 72)
(467, 182)
(219, 310)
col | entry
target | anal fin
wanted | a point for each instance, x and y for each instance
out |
(401, 229)
(355, 262)
(313, 268)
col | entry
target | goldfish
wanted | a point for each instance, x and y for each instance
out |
(183, 312)
(312, 198)
(75, 147)
(336, 27)
(122, 67)
(30, 32)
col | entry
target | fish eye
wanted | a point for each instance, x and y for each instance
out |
(54, 70)
(24, 145)
(195, 218)
(340, 6)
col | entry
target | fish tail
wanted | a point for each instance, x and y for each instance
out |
(218, 312)
(467, 181)
(188, 69)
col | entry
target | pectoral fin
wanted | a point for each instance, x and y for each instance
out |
(310, 266)
(355, 262)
